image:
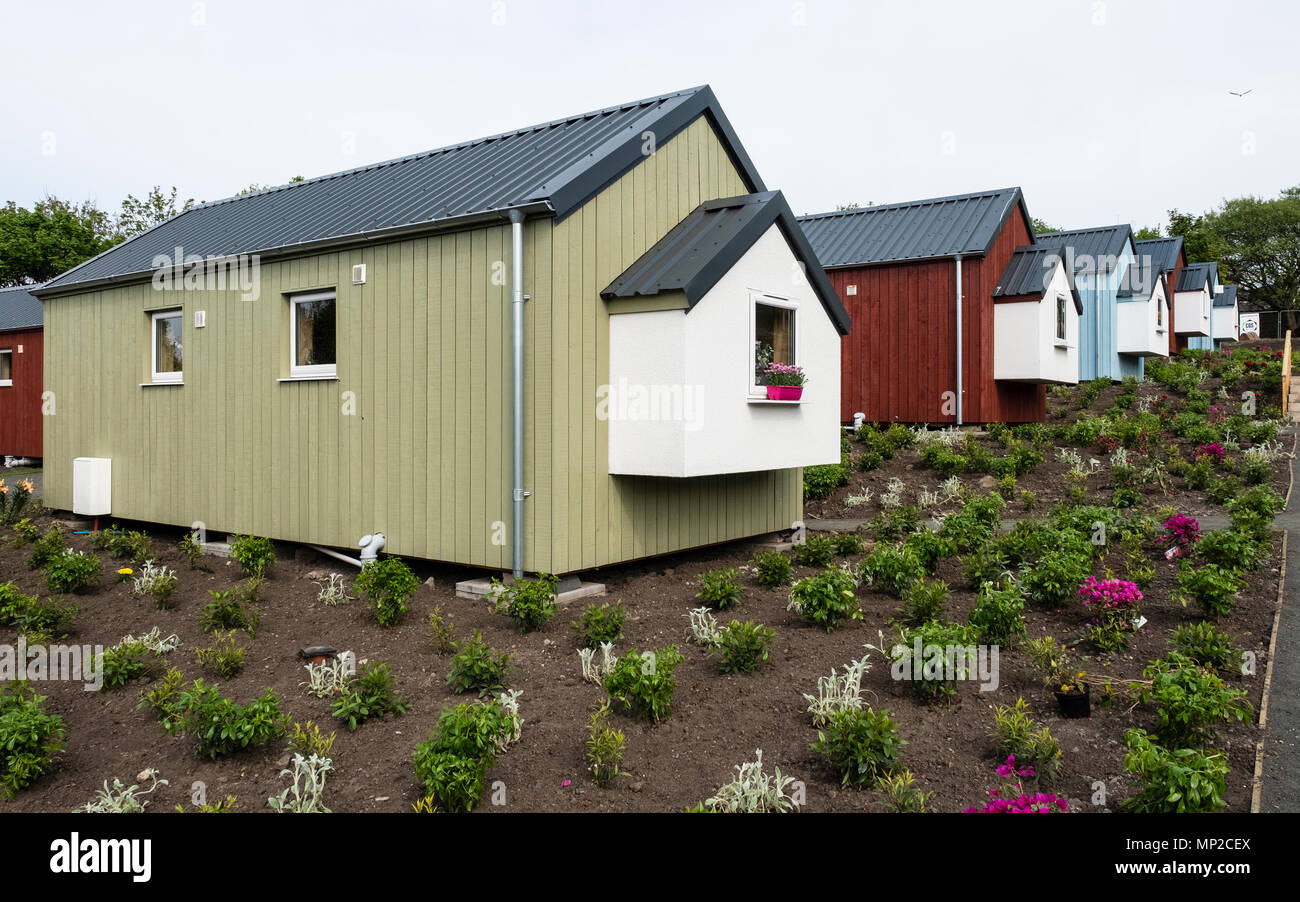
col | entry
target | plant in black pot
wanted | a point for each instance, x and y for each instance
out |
(1067, 683)
(1073, 696)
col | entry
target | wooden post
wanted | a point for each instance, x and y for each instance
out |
(1286, 376)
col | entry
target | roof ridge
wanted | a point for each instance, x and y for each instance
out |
(461, 145)
(875, 208)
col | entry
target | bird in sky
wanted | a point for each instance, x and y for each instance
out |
(1241, 93)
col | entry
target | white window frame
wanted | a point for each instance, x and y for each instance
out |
(319, 370)
(169, 313)
(5, 383)
(1162, 319)
(1061, 317)
(756, 298)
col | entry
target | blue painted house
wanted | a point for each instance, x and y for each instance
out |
(1113, 336)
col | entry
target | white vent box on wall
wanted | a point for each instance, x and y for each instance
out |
(92, 486)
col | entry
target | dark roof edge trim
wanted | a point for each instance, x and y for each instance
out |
(625, 153)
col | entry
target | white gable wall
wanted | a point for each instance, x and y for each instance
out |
(1025, 348)
(706, 354)
(1142, 332)
(1192, 312)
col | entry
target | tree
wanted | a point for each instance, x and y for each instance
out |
(1200, 243)
(38, 244)
(1042, 228)
(138, 215)
(255, 186)
(1258, 244)
(1146, 233)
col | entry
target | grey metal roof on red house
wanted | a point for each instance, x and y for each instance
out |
(1029, 272)
(1162, 251)
(936, 227)
(20, 309)
(1196, 276)
(552, 168)
(1228, 298)
(704, 246)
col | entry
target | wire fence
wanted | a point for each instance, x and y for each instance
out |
(1272, 323)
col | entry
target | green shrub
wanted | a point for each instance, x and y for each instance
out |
(1231, 549)
(124, 663)
(71, 571)
(891, 570)
(600, 623)
(1212, 587)
(441, 631)
(923, 601)
(933, 686)
(974, 524)
(902, 794)
(1254, 470)
(158, 583)
(476, 666)
(720, 589)
(1221, 491)
(452, 763)
(221, 726)
(1055, 576)
(254, 554)
(826, 598)
(224, 657)
(643, 684)
(846, 544)
(1253, 510)
(530, 603)
(371, 692)
(25, 532)
(135, 547)
(193, 551)
(1016, 733)
(774, 569)
(742, 647)
(1007, 487)
(814, 551)
(943, 460)
(455, 783)
(604, 747)
(1176, 782)
(861, 745)
(820, 481)
(1190, 700)
(227, 611)
(986, 565)
(896, 523)
(387, 583)
(930, 548)
(32, 617)
(999, 616)
(1205, 645)
(30, 739)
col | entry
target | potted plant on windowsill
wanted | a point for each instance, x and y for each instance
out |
(784, 382)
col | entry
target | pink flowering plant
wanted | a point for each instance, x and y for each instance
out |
(1181, 531)
(1213, 450)
(1106, 596)
(784, 374)
(1011, 797)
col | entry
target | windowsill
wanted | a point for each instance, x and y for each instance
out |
(1062, 345)
(331, 377)
(160, 384)
(770, 401)
(6, 383)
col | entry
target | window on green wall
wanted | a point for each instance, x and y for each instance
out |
(168, 351)
(312, 345)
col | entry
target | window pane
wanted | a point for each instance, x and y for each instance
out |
(167, 335)
(314, 322)
(6, 366)
(773, 338)
(1060, 317)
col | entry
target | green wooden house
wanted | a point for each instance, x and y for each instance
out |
(533, 351)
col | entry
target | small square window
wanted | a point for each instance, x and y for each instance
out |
(774, 340)
(168, 350)
(6, 367)
(312, 349)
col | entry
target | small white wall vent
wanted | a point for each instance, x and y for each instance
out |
(92, 486)
(200, 318)
(851, 290)
(359, 274)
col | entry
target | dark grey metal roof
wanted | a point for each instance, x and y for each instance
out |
(1092, 250)
(1162, 251)
(916, 230)
(704, 246)
(20, 309)
(554, 167)
(1228, 298)
(1194, 276)
(1141, 277)
(1029, 271)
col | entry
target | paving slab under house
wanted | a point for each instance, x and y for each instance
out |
(916, 355)
(22, 340)
(1125, 301)
(534, 351)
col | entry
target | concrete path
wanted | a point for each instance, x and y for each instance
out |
(1208, 522)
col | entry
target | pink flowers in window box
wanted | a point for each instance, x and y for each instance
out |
(1109, 594)
(784, 381)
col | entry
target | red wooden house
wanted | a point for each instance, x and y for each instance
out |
(21, 373)
(898, 269)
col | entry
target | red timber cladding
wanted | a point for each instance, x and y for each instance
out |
(900, 356)
(20, 403)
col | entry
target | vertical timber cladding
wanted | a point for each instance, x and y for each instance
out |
(413, 439)
(900, 357)
(579, 516)
(20, 403)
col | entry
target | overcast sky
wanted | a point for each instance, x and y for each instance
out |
(1102, 110)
